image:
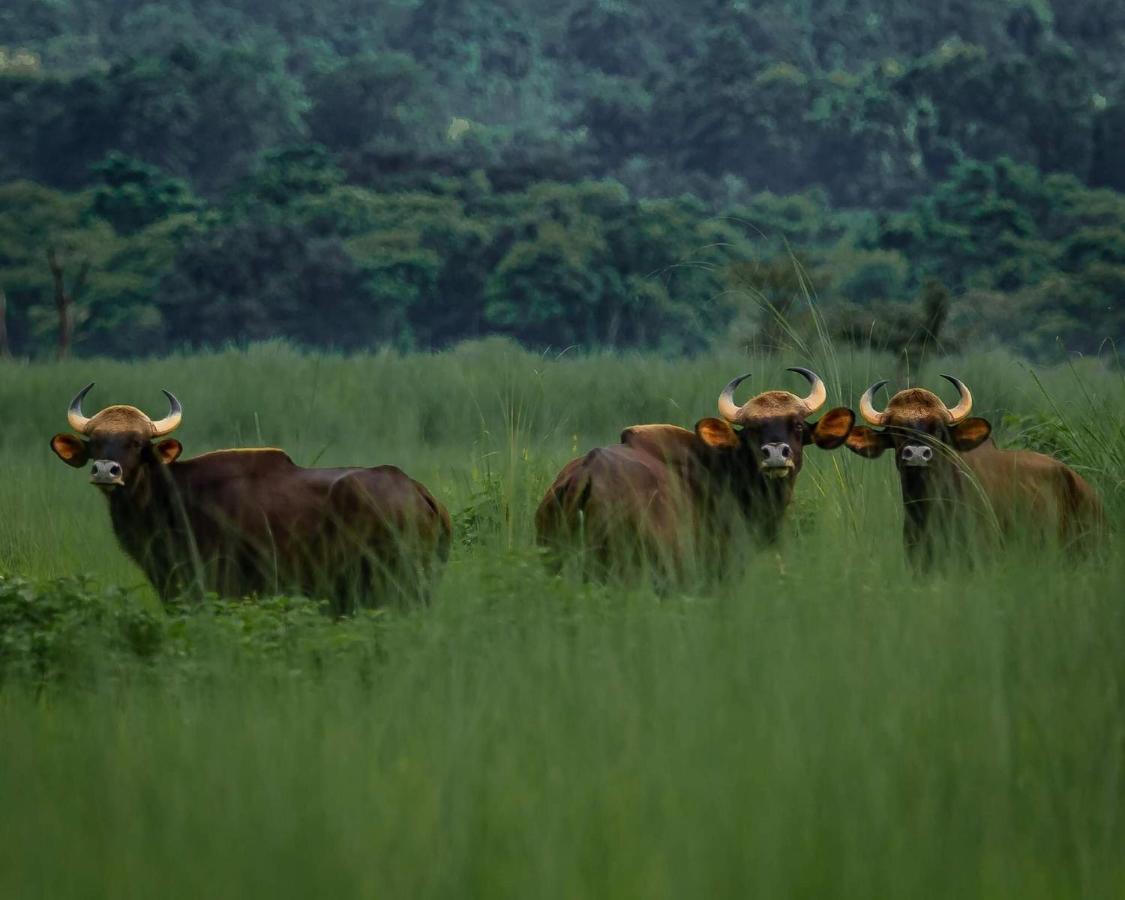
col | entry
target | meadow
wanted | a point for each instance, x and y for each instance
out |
(820, 721)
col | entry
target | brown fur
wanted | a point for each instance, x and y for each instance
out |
(772, 404)
(242, 522)
(677, 447)
(666, 495)
(1023, 491)
(622, 506)
(916, 405)
(1026, 487)
(121, 419)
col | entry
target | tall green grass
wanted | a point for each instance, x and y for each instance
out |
(819, 721)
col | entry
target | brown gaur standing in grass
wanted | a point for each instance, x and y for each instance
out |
(242, 522)
(665, 494)
(952, 474)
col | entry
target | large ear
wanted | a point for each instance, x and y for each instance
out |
(168, 451)
(970, 434)
(71, 450)
(868, 442)
(833, 428)
(716, 433)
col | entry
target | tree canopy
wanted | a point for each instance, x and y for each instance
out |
(600, 172)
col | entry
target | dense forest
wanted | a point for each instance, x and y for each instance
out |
(350, 173)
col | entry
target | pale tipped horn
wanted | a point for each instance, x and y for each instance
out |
(171, 421)
(964, 405)
(74, 415)
(728, 409)
(818, 395)
(867, 407)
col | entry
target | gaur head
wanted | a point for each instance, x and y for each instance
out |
(917, 425)
(118, 442)
(770, 430)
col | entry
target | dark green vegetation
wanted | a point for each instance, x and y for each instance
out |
(818, 721)
(598, 173)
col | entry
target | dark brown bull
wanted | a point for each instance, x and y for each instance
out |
(242, 522)
(951, 472)
(665, 495)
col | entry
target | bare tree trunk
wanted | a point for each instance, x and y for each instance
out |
(5, 350)
(64, 301)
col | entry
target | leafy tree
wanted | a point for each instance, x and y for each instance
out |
(378, 105)
(202, 115)
(252, 281)
(133, 195)
(587, 265)
(49, 256)
(286, 175)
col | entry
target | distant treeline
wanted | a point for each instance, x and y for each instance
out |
(587, 172)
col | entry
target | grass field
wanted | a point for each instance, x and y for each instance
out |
(818, 722)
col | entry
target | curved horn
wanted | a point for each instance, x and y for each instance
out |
(171, 421)
(867, 407)
(74, 415)
(817, 395)
(728, 409)
(964, 405)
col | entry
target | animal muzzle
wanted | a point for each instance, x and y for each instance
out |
(918, 455)
(105, 473)
(777, 460)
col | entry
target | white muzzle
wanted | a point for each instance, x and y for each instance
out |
(106, 473)
(777, 460)
(917, 455)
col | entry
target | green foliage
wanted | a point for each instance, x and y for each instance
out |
(257, 280)
(874, 102)
(913, 332)
(70, 632)
(287, 175)
(68, 629)
(975, 141)
(1052, 247)
(871, 276)
(374, 107)
(133, 195)
(1040, 432)
(35, 221)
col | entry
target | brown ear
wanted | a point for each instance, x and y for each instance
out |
(168, 451)
(868, 442)
(970, 434)
(70, 449)
(716, 433)
(833, 428)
